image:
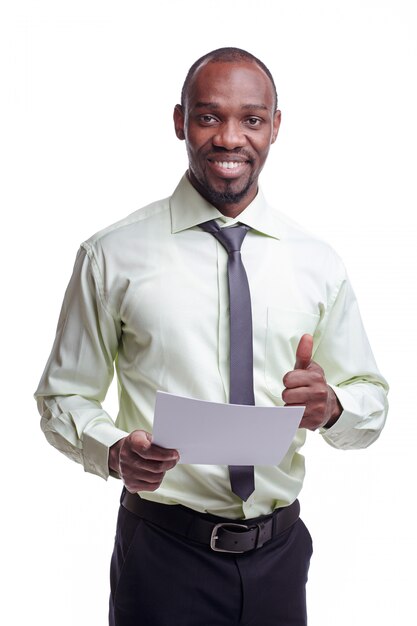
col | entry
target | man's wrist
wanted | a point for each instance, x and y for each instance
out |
(114, 455)
(335, 410)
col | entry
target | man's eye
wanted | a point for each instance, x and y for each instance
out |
(207, 119)
(254, 121)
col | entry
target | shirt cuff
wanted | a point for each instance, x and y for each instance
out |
(348, 419)
(96, 444)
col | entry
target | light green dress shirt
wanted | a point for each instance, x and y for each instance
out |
(150, 294)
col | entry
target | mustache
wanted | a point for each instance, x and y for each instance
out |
(239, 154)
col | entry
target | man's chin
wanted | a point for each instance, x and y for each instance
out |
(227, 195)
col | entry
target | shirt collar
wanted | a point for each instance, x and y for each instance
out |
(189, 209)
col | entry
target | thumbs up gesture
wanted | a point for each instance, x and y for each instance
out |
(306, 385)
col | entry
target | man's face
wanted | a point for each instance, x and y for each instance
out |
(228, 123)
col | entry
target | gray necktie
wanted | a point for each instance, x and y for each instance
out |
(241, 346)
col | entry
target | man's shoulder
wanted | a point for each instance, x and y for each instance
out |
(293, 231)
(306, 248)
(151, 217)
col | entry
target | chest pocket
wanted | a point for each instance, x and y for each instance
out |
(285, 328)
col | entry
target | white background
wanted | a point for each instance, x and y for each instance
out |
(87, 92)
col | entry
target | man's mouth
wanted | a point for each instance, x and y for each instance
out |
(229, 165)
(228, 168)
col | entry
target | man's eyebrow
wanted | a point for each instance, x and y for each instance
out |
(263, 107)
(207, 105)
(216, 105)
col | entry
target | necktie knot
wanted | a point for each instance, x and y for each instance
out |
(230, 237)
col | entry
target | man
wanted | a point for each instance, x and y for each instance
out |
(209, 545)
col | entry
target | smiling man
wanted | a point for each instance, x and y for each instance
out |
(229, 120)
(211, 294)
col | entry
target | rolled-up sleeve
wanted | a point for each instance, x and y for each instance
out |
(346, 357)
(79, 372)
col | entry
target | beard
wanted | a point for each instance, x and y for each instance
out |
(228, 196)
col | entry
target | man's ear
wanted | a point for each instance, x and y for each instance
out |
(179, 121)
(277, 124)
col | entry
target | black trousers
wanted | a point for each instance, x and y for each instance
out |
(161, 579)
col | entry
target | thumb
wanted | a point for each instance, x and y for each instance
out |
(140, 440)
(304, 352)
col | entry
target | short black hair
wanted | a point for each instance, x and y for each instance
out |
(225, 55)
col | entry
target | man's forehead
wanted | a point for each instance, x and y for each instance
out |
(242, 79)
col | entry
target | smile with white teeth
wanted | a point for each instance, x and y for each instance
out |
(229, 165)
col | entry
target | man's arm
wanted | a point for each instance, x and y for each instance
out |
(338, 380)
(79, 372)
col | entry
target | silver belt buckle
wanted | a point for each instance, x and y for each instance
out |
(214, 536)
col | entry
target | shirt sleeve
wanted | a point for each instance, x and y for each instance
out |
(79, 372)
(343, 351)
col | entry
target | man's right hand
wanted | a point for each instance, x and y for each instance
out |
(140, 464)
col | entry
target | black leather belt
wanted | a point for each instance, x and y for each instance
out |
(221, 534)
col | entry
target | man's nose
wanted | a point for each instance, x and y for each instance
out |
(229, 135)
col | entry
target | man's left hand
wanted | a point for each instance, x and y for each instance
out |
(306, 385)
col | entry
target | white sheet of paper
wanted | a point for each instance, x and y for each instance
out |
(210, 433)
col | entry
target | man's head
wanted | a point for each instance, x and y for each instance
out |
(226, 55)
(228, 117)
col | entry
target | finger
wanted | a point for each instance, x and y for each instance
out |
(135, 483)
(297, 397)
(142, 475)
(304, 352)
(154, 467)
(304, 378)
(140, 443)
(297, 378)
(310, 393)
(156, 453)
